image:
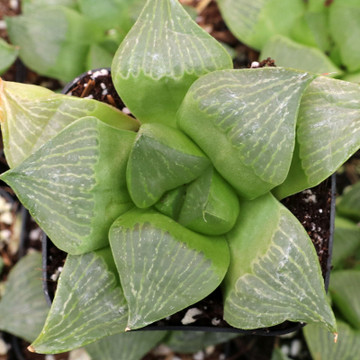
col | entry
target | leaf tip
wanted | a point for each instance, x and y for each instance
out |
(31, 349)
(127, 329)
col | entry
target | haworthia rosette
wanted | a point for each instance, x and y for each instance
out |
(345, 293)
(172, 201)
(244, 120)
(23, 308)
(74, 185)
(162, 55)
(88, 304)
(254, 22)
(163, 266)
(161, 159)
(210, 206)
(132, 345)
(323, 347)
(274, 272)
(31, 115)
(328, 133)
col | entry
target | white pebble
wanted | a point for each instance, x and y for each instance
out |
(189, 316)
(79, 354)
(3, 347)
(215, 321)
(125, 110)
(14, 4)
(49, 357)
(35, 234)
(2, 25)
(103, 86)
(89, 97)
(255, 64)
(104, 92)
(5, 235)
(320, 211)
(285, 349)
(6, 218)
(199, 356)
(295, 348)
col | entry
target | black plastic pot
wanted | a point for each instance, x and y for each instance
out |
(281, 329)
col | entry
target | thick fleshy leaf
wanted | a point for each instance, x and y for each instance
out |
(8, 54)
(161, 159)
(211, 206)
(60, 50)
(345, 30)
(278, 355)
(192, 341)
(345, 293)
(33, 5)
(88, 304)
(162, 55)
(291, 54)
(322, 346)
(244, 120)
(98, 57)
(74, 185)
(349, 204)
(328, 133)
(163, 266)
(31, 115)
(170, 204)
(274, 272)
(346, 241)
(132, 345)
(255, 22)
(23, 308)
(355, 77)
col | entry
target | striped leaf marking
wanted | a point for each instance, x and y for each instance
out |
(31, 115)
(132, 345)
(328, 133)
(280, 278)
(94, 308)
(60, 184)
(164, 52)
(345, 293)
(161, 159)
(322, 346)
(163, 266)
(244, 120)
(23, 308)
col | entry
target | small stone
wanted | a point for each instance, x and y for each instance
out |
(285, 350)
(6, 218)
(35, 234)
(295, 348)
(14, 4)
(3, 347)
(103, 86)
(126, 111)
(189, 316)
(321, 211)
(79, 354)
(215, 321)
(89, 97)
(255, 64)
(49, 357)
(199, 355)
(210, 349)
(162, 350)
(5, 235)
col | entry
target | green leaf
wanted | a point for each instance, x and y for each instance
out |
(211, 205)
(355, 77)
(192, 341)
(88, 304)
(278, 355)
(31, 115)
(274, 272)
(8, 54)
(172, 201)
(328, 133)
(162, 55)
(74, 185)
(345, 293)
(346, 241)
(322, 346)
(59, 51)
(291, 54)
(23, 308)
(255, 22)
(163, 266)
(349, 204)
(98, 57)
(33, 5)
(132, 345)
(345, 30)
(161, 159)
(244, 121)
